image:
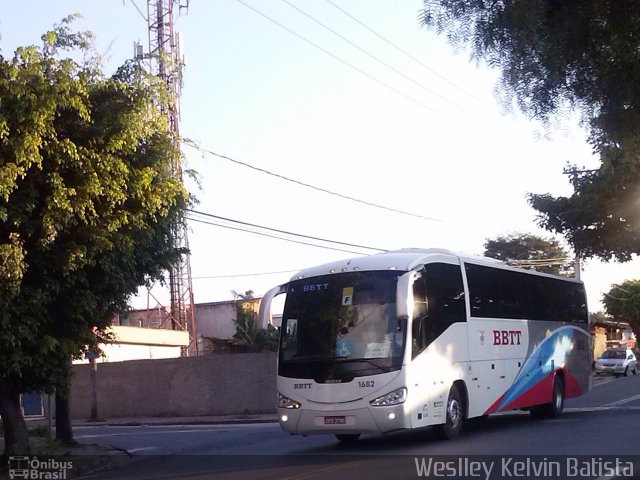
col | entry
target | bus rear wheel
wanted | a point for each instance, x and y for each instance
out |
(348, 437)
(555, 408)
(454, 421)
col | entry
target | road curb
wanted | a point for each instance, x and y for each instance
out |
(175, 421)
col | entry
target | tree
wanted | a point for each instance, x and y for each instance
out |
(87, 205)
(623, 303)
(530, 251)
(556, 56)
(248, 333)
(248, 295)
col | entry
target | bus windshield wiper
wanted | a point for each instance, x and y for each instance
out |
(366, 360)
(307, 358)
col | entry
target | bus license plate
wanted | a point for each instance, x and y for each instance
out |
(335, 420)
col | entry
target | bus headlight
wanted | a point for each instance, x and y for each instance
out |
(286, 402)
(393, 398)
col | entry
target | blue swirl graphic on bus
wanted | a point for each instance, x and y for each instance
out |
(550, 355)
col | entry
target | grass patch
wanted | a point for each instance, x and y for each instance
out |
(40, 431)
(42, 443)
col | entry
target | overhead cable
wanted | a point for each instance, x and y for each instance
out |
(274, 236)
(344, 62)
(213, 277)
(139, 11)
(558, 260)
(192, 144)
(407, 54)
(309, 237)
(377, 59)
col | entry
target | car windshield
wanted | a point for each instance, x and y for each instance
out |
(614, 354)
(344, 319)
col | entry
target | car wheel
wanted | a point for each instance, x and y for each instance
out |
(634, 369)
(626, 371)
(454, 420)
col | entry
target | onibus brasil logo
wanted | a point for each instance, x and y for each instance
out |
(34, 468)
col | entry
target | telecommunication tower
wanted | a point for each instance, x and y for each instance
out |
(167, 62)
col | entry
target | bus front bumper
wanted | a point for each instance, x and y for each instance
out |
(362, 420)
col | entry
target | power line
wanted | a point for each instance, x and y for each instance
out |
(139, 11)
(192, 144)
(344, 62)
(285, 232)
(549, 261)
(407, 54)
(369, 54)
(245, 275)
(273, 236)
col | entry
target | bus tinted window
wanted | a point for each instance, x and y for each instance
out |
(498, 293)
(484, 291)
(445, 306)
(445, 295)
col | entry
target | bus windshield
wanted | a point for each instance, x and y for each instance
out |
(335, 327)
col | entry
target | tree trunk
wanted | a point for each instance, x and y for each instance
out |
(16, 436)
(64, 432)
(635, 328)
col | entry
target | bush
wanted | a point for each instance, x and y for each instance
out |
(248, 333)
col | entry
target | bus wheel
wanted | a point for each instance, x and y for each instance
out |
(452, 426)
(348, 437)
(556, 406)
(554, 409)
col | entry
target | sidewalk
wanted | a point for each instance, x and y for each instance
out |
(198, 420)
(139, 421)
(88, 458)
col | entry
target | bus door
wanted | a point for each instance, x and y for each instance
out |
(439, 343)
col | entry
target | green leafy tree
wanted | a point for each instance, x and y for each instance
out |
(598, 317)
(87, 204)
(247, 331)
(623, 303)
(530, 251)
(555, 56)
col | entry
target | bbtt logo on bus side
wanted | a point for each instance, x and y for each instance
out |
(506, 337)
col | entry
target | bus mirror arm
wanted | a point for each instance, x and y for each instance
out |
(404, 293)
(264, 313)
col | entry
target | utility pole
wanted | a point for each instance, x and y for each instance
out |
(167, 62)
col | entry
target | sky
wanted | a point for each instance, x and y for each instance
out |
(349, 96)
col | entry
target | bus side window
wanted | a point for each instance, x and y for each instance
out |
(444, 301)
(445, 297)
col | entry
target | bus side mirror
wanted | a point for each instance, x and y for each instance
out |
(264, 313)
(404, 294)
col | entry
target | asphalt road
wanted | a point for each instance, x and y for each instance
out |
(603, 423)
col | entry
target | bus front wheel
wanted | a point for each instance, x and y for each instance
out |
(452, 426)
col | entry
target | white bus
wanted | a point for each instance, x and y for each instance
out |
(415, 338)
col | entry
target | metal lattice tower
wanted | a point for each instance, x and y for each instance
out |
(167, 63)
